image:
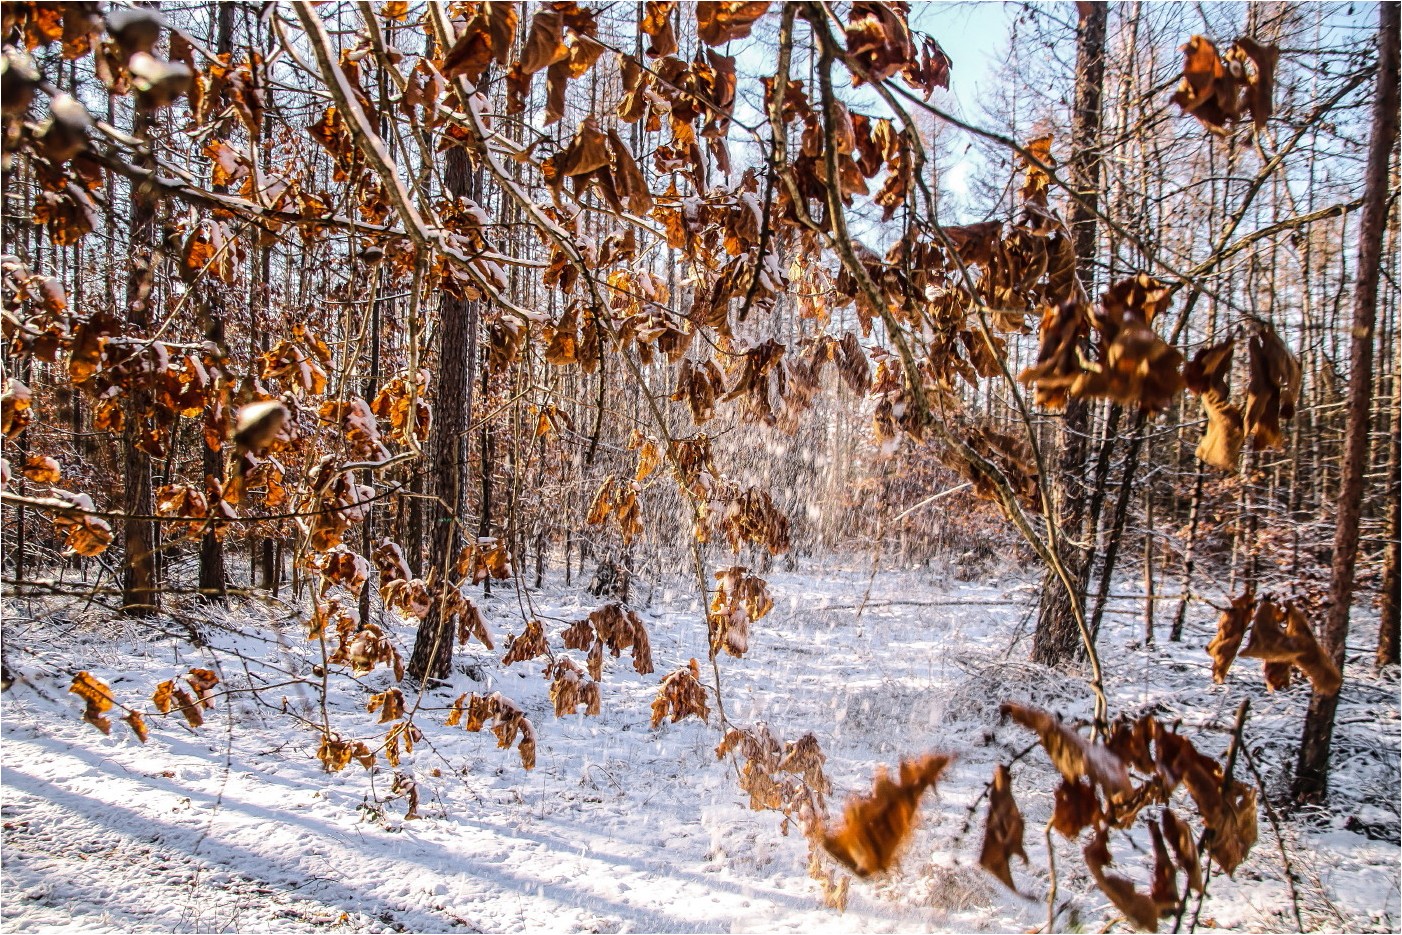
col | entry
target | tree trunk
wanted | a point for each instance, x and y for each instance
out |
(433, 644)
(1057, 637)
(212, 578)
(1388, 623)
(1312, 771)
(139, 585)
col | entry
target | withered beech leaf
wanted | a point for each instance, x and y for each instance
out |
(1002, 833)
(1295, 645)
(1075, 808)
(1231, 627)
(876, 826)
(1139, 908)
(98, 698)
(1072, 754)
(1185, 847)
(1206, 374)
(720, 22)
(1273, 390)
(1164, 889)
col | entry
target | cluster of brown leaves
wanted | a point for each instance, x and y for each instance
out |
(752, 517)
(739, 600)
(1131, 364)
(680, 695)
(170, 695)
(569, 688)
(789, 778)
(335, 753)
(1282, 650)
(1221, 89)
(1099, 792)
(508, 722)
(1272, 392)
(619, 499)
(615, 628)
(98, 700)
(486, 557)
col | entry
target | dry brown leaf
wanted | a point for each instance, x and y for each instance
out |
(1138, 908)
(720, 22)
(1273, 390)
(390, 704)
(1231, 627)
(1185, 847)
(876, 826)
(98, 697)
(1073, 755)
(1002, 832)
(1075, 808)
(528, 645)
(1295, 645)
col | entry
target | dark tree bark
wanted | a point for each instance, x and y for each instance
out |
(432, 656)
(1057, 637)
(1388, 622)
(1312, 770)
(140, 596)
(213, 581)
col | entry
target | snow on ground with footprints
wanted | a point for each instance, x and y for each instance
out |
(623, 827)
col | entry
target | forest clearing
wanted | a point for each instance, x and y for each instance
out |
(700, 467)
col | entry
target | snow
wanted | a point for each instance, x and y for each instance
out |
(621, 827)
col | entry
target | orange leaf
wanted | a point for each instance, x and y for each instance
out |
(876, 826)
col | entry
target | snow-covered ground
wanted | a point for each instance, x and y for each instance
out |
(621, 827)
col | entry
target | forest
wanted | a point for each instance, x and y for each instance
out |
(794, 466)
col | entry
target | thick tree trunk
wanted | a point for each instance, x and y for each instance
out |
(1312, 770)
(433, 644)
(1057, 637)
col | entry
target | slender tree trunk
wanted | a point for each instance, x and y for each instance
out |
(1312, 771)
(1057, 637)
(1388, 623)
(212, 578)
(432, 656)
(139, 583)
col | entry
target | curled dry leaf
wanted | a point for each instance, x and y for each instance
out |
(721, 22)
(42, 469)
(509, 722)
(1002, 832)
(138, 725)
(528, 645)
(1076, 808)
(1231, 627)
(390, 704)
(98, 697)
(1207, 375)
(876, 826)
(1073, 755)
(1185, 847)
(1139, 908)
(1273, 390)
